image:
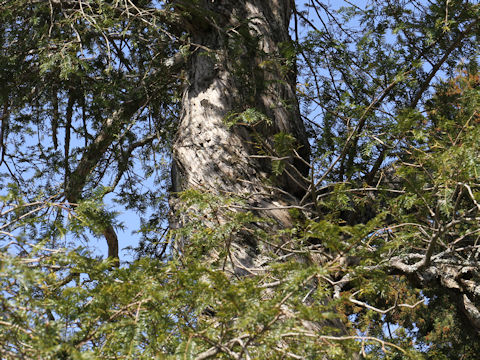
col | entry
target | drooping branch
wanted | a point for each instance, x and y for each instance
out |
(89, 161)
(3, 131)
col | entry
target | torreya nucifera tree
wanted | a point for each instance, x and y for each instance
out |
(240, 132)
(355, 234)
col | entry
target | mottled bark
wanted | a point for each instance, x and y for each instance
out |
(227, 75)
(237, 65)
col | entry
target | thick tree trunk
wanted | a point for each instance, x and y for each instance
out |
(237, 65)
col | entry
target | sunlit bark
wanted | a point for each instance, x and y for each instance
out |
(237, 65)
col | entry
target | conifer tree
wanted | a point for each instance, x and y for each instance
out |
(305, 176)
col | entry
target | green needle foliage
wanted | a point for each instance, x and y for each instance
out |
(381, 260)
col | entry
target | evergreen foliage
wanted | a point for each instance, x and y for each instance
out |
(381, 261)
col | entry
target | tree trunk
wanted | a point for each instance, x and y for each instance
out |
(238, 65)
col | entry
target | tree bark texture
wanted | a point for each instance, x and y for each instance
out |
(236, 65)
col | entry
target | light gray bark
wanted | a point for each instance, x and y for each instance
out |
(236, 66)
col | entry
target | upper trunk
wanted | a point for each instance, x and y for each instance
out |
(239, 64)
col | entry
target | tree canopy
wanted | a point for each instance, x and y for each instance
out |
(370, 250)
